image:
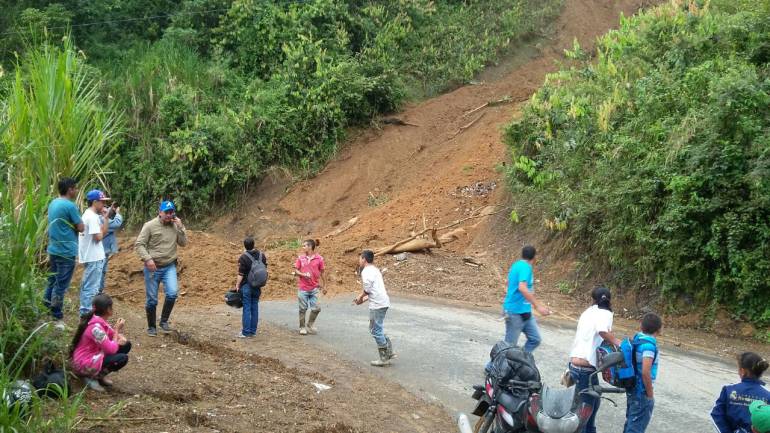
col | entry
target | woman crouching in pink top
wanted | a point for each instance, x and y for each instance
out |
(97, 349)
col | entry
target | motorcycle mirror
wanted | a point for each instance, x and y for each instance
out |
(611, 360)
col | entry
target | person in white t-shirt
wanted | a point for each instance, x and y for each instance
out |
(90, 248)
(594, 327)
(379, 302)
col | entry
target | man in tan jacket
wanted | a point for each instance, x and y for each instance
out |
(156, 246)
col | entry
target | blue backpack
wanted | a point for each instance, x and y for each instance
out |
(624, 374)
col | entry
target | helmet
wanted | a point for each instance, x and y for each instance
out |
(233, 299)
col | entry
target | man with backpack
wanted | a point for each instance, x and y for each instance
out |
(641, 397)
(252, 276)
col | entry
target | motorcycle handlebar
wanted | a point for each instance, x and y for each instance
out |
(605, 390)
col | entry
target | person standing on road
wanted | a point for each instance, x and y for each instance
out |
(156, 246)
(379, 302)
(64, 224)
(110, 241)
(251, 264)
(310, 268)
(517, 306)
(594, 327)
(731, 411)
(90, 248)
(640, 401)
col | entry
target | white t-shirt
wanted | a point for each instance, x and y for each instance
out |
(89, 249)
(374, 287)
(587, 339)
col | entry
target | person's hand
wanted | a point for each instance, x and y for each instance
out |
(236, 288)
(178, 222)
(150, 265)
(120, 324)
(544, 311)
(121, 340)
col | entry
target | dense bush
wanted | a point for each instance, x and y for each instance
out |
(656, 154)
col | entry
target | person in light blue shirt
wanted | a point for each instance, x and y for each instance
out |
(110, 241)
(519, 300)
(640, 401)
(64, 224)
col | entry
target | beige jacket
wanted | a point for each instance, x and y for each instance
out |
(158, 241)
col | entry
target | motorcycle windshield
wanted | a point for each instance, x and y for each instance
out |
(569, 423)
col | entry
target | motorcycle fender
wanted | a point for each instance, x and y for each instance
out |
(481, 407)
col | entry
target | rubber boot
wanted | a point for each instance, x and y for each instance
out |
(168, 305)
(311, 321)
(152, 331)
(302, 329)
(384, 360)
(389, 346)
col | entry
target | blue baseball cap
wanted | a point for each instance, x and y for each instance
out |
(95, 194)
(167, 205)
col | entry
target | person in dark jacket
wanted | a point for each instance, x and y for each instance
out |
(250, 295)
(731, 410)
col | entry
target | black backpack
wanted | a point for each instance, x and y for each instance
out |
(258, 273)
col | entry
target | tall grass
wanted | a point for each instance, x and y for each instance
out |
(52, 124)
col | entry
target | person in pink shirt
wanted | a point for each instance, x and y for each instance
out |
(97, 349)
(309, 267)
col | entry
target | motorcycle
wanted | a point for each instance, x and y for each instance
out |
(508, 404)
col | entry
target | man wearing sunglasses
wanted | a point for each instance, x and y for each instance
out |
(156, 246)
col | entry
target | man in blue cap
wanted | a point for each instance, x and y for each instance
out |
(90, 248)
(156, 246)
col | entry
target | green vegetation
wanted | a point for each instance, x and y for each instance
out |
(52, 124)
(655, 156)
(216, 91)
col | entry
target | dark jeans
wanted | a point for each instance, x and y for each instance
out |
(638, 411)
(117, 360)
(582, 376)
(250, 309)
(62, 269)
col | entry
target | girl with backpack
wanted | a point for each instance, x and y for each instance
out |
(98, 349)
(731, 410)
(594, 327)
(252, 276)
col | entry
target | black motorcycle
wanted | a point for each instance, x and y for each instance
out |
(514, 400)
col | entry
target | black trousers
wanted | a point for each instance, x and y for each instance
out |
(118, 360)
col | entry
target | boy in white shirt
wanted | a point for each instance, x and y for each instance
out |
(90, 248)
(374, 291)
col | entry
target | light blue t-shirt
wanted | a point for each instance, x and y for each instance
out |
(647, 348)
(514, 301)
(63, 216)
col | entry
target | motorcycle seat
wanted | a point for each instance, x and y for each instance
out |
(557, 402)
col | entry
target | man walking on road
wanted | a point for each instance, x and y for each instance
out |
(156, 246)
(379, 302)
(90, 248)
(64, 223)
(517, 307)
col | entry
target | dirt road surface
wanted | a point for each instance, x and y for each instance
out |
(442, 350)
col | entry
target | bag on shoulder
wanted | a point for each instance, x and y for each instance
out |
(258, 273)
(624, 374)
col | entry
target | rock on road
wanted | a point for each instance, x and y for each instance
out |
(442, 350)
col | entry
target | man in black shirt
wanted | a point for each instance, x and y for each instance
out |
(249, 294)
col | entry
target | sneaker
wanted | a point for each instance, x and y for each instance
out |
(106, 382)
(152, 332)
(164, 327)
(302, 331)
(94, 385)
(312, 330)
(242, 335)
(59, 325)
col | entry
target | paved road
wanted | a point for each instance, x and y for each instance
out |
(442, 351)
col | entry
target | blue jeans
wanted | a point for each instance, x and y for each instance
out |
(376, 320)
(104, 273)
(250, 309)
(89, 285)
(59, 280)
(515, 325)
(308, 300)
(638, 412)
(152, 280)
(582, 376)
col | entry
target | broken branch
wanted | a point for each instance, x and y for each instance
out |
(463, 128)
(503, 100)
